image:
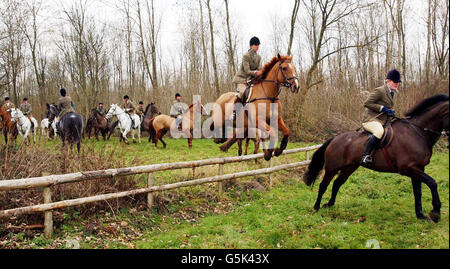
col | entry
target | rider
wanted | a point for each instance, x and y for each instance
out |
(26, 109)
(249, 69)
(177, 110)
(65, 105)
(8, 104)
(101, 110)
(141, 111)
(379, 111)
(128, 107)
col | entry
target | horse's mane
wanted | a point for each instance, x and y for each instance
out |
(426, 104)
(268, 66)
(147, 108)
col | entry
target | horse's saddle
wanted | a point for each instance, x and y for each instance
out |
(247, 95)
(387, 137)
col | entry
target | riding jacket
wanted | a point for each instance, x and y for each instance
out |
(65, 105)
(379, 98)
(251, 63)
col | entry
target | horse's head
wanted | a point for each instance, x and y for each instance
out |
(287, 74)
(154, 109)
(15, 114)
(111, 112)
(52, 112)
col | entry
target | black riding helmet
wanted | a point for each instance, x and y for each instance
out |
(254, 41)
(63, 92)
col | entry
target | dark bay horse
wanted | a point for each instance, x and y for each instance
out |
(70, 126)
(151, 111)
(407, 154)
(7, 126)
(98, 123)
(278, 73)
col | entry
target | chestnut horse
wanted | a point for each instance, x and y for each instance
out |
(407, 154)
(279, 72)
(8, 127)
(161, 124)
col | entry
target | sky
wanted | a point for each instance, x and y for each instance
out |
(250, 17)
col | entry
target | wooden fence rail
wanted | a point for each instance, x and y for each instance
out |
(49, 181)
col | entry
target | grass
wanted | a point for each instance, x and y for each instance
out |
(369, 206)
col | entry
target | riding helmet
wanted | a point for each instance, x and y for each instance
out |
(126, 97)
(177, 95)
(25, 99)
(394, 75)
(63, 92)
(141, 103)
(254, 41)
(7, 98)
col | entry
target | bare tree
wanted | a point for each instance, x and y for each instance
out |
(213, 53)
(293, 21)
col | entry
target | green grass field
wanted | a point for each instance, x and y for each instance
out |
(370, 206)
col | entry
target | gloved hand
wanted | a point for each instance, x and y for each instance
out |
(389, 112)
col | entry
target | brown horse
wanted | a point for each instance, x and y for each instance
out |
(407, 153)
(98, 123)
(279, 72)
(7, 126)
(151, 111)
(161, 124)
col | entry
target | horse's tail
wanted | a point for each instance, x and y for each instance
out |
(316, 165)
(151, 130)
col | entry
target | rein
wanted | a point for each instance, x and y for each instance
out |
(286, 84)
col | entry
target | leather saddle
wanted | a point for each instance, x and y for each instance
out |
(387, 137)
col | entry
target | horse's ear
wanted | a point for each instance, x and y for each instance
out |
(48, 106)
(279, 57)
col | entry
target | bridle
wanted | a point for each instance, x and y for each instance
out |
(286, 83)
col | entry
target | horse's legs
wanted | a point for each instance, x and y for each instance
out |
(435, 214)
(239, 142)
(268, 152)
(329, 175)
(285, 140)
(342, 178)
(417, 188)
(247, 142)
(190, 140)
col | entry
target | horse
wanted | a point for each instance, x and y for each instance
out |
(99, 123)
(7, 126)
(151, 111)
(70, 127)
(279, 72)
(256, 141)
(125, 123)
(407, 154)
(45, 127)
(161, 124)
(25, 126)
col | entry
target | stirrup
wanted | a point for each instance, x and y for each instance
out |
(367, 159)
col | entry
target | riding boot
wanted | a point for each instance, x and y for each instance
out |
(371, 144)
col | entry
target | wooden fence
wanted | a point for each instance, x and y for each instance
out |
(48, 181)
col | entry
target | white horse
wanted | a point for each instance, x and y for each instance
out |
(24, 124)
(45, 128)
(125, 122)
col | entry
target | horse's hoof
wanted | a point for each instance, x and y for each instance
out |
(315, 211)
(278, 152)
(134, 142)
(435, 216)
(267, 156)
(223, 148)
(327, 205)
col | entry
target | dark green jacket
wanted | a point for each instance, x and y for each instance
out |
(379, 98)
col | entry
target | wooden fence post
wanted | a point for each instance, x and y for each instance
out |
(307, 156)
(220, 183)
(150, 197)
(48, 215)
